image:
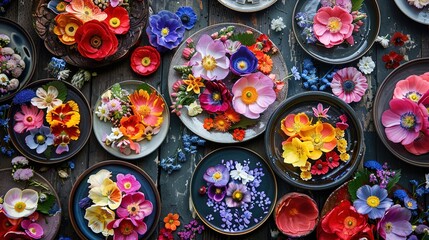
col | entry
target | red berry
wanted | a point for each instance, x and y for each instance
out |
(202, 190)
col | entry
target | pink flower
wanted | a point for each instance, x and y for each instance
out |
(127, 183)
(32, 229)
(209, 61)
(29, 118)
(135, 206)
(127, 229)
(216, 97)
(253, 94)
(404, 120)
(349, 84)
(332, 26)
(420, 145)
(320, 112)
(412, 87)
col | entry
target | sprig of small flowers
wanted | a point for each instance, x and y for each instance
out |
(5, 143)
(58, 69)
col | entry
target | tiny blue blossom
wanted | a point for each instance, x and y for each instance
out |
(400, 194)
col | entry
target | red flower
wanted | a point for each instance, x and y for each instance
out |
(117, 19)
(392, 59)
(145, 60)
(399, 39)
(366, 233)
(165, 234)
(319, 168)
(332, 159)
(95, 40)
(265, 41)
(238, 134)
(7, 224)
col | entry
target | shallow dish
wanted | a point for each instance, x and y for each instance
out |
(248, 7)
(418, 15)
(342, 53)
(80, 190)
(303, 103)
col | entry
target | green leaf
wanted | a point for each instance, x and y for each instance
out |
(61, 87)
(393, 181)
(48, 152)
(356, 5)
(361, 178)
(144, 87)
(244, 123)
(245, 38)
(116, 90)
(44, 207)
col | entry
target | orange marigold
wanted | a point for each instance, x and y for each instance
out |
(265, 63)
(232, 115)
(238, 134)
(172, 221)
(208, 124)
(221, 123)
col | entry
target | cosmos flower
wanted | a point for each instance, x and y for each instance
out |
(349, 84)
(29, 118)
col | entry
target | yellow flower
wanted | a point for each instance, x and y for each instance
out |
(194, 84)
(344, 157)
(307, 167)
(66, 114)
(95, 180)
(98, 217)
(306, 175)
(339, 133)
(296, 152)
(342, 143)
(322, 136)
(108, 194)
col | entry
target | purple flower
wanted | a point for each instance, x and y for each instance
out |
(236, 195)
(420, 229)
(243, 62)
(216, 193)
(395, 223)
(216, 97)
(372, 201)
(217, 175)
(165, 30)
(410, 203)
(23, 174)
(85, 203)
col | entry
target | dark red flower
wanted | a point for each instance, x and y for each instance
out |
(265, 41)
(165, 234)
(95, 40)
(332, 159)
(398, 39)
(117, 19)
(319, 167)
(366, 233)
(392, 59)
(145, 60)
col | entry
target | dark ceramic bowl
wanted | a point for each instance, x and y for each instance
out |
(304, 102)
(381, 103)
(343, 53)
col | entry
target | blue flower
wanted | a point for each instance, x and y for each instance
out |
(373, 165)
(6, 138)
(165, 30)
(24, 96)
(85, 203)
(420, 191)
(414, 182)
(181, 155)
(308, 64)
(243, 62)
(400, 194)
(295, 73)
(40, 139)
(410, 203)
(309, 35)
(187, 16)
(372, 201)
(71, 164)
(53, 6)
(302, 19)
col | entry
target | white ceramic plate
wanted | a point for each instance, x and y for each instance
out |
(247, 7)
(418, 15)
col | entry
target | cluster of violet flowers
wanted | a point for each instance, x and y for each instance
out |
(20, 169)
(191, 230)
(189, 145)
(5, 142)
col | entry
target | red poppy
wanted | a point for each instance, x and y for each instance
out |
(238, 134)
(145, 60)
(265, 41)
(398, 39)
(332, 159)
(392, 59)
(95, 40)
(117, 19)
(319, 167)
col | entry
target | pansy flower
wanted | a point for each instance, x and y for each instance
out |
(66, 27)
(29, 118)
(65, 114)
(349, 84)
(63, 135)
(236, 195)
(96, 180)
(216, 97)
(40, 139)
(107, 194)
(86, 10)
(217, 175)
(135, 206)
(46, 99)
(127, 183)
(216, 193)
(399, 39)
(413, 87)
(392, 59)
(19, 203)
(145, 60)
(98, 217)
(117, 19)
(187, 16)
(149, 106)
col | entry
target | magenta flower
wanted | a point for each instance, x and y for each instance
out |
(349, 84)
(333, 25)
(216, 98)
(29, 118)
(253, 94)
(127, 183)
(209, 61)
(32, 229)
(216, 193)
(320, 112)
(127, 229)
(217, 175)
(135, 206)
(395, 224)
(413, 88)
(404, 120)
(243, 62)
(237, 194)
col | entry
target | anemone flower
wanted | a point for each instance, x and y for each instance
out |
(29, 118)
(117, 19)
(135, 206)
(20, 203)
(404, 120)
(236, 195)
(292, 124)
(187, 16)
(372, 200)
(395, 224)
(86, 10)
(253, 94)
(412, 87)
(165, 30)
(216, 193)
(243, 62)
(46, 99)
(66, 27)
(40, 139)
(127, 183)
(209, 61)
(65, 114)
(107, 194)
(349, 84)
(149, 106)
(98, 217)
(217, 175)
(127, 229)
(32, 229)
(216, 98)
(145, 60)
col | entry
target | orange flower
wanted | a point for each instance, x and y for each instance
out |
(238, 134)
(62, 130)
(148, 107)
(86, 10)
(194, 84)
(208, 124)
(66, 27)
(221, 123)
(292, 124)
(232, 115)
(132, 128)
(265, 63)
(172, 221)
(67, 114)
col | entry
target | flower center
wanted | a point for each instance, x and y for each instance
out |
(218, 191)
(334, 24)
(87, 11)
(131, 130)
(293, 212)
(242, 65)
(146, 61)
(216, 96)
(348, 86)
(330, 159)
(127, 228)
(61, 7)
(388, 227)
(165, 31)
(32, 230)
(408, 120)
(373, 201)
(40, 139)
(48, 99)
(71, 29)
(29, 119)
(249, 95)
(144, 110)
(127, 185)
(114, 22)
(171, 221)
(185, 18)
(209, 63)
(220, 123)
(217, 176)
(133, 209)
(19, 206)
(413, 96)
(319, 166)
(409, 204)
(237, 195)
(350, 222)
(96, 41)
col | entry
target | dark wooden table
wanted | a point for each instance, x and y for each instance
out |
(174, 188)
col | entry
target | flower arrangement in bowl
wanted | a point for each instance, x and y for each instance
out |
(90, 32)
(50, 121)
(227, 190)
(247, 5)
(314, 140)
(114, 199)
(416, 10)
(336, 31)
(230, 80)
(400, 112)
(131, 119)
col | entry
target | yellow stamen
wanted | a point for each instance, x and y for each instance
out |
(249, 95)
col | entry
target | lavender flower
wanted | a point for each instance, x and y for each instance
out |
(395, 223)
(237, 194)
(19, 160)
(309, 34)
(217, 175)
(23, 174)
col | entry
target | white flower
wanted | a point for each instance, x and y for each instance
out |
(232, 46)
(115, 135)
(277, 24)
(103, 112)
(427, 180)
(384, 41)
(13, 84)
(366, 65)
(4, 80)
(194, 109)
(418, 3)
(240, 174)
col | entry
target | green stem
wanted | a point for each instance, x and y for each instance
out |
(38, 184)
